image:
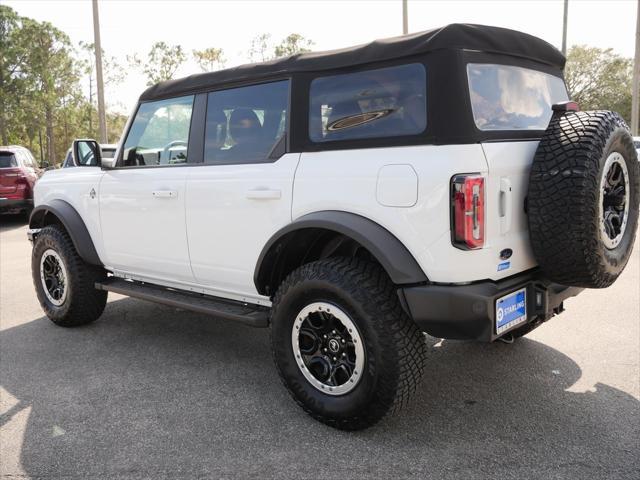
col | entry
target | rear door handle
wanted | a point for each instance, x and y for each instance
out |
(164, 193)
(263, 194)
(506, 205)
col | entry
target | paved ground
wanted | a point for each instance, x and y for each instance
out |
(152, 392)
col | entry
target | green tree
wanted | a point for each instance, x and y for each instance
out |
(113, 74)
(294, 43)
(13, 57)
(599, 79)
(42, 105)
(259, 49)
(52, 77)
(162, 62)
(210, 59)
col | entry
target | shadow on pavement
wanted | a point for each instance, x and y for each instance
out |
(12, 221)
(153, 392)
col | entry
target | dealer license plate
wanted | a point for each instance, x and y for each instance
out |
(511, 310)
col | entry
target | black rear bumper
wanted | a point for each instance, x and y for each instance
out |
(468, 311)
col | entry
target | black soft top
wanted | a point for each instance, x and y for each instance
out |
(457, 36)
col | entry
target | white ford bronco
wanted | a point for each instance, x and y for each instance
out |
(439, 182)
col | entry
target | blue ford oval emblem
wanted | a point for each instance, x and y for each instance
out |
(506, 253)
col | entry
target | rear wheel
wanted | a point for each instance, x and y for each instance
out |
(342, 344)
(64, 283)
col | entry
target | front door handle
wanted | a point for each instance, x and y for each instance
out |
(164, 193)
(263, 194)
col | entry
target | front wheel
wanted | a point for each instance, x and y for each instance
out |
(344, 347)
(64, 283)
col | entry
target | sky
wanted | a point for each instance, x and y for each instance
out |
(132, 26)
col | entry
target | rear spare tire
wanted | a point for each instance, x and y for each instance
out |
(583, 198)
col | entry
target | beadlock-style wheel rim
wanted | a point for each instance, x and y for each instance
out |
(614, 200)
(53, 276)
(328, 348)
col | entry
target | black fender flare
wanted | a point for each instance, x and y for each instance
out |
(72, 222)
(390, 252)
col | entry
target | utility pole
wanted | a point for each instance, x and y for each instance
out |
(564, 27)
(635, 93)
(98, 49)
(405, 18)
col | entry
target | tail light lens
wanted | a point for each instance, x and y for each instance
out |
(21, 180)
(467, 211)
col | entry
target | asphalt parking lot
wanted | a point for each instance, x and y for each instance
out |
(152, 392)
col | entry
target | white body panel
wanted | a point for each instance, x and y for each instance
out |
(202, 228)
(74, 185)
(143, 222)
(232, 211)
(350, 179)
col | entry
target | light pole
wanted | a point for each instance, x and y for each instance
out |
(564, 27)
(102, 120)
(405, 18)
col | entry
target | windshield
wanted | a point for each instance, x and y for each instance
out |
(512, 98)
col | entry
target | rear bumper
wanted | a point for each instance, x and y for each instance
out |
(14, 205)
(468, 311)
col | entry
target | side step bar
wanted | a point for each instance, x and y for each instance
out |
(253, 315)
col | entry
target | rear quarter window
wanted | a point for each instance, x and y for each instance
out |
(383, 102)
(505, 97)
(8, 160)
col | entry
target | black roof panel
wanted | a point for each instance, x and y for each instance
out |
(456, 36)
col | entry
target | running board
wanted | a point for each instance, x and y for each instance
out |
(253, 315)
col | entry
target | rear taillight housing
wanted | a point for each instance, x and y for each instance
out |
(467, 211)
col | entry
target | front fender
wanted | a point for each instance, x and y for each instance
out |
(72, 222)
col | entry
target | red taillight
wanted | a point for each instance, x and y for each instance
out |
(467, 204)
(21, 180)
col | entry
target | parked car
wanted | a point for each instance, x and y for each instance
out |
(18, 174)
(440, 182)
(107, 150)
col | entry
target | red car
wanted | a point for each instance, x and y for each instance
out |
(18, 174)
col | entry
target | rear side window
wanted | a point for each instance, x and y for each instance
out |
(8, 160)
(385, 102)
(512, 98)
(244, 124)
(159, 134)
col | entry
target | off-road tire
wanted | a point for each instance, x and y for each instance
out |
(83, 303)
(394, 346)
(564, 197)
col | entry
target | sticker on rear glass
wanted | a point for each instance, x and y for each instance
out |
(504, 266)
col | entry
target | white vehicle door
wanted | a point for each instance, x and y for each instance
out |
(242, 193)
(142, 200)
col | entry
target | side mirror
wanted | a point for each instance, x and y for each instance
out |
(86, 153)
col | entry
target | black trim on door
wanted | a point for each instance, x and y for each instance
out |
(195, 149)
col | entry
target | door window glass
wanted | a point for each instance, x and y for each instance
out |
(385, 102)
(159, 134)
(244, 124)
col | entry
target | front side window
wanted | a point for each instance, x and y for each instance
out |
(504, 97)
(244, 124)
(385, 102)
(159, 134)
